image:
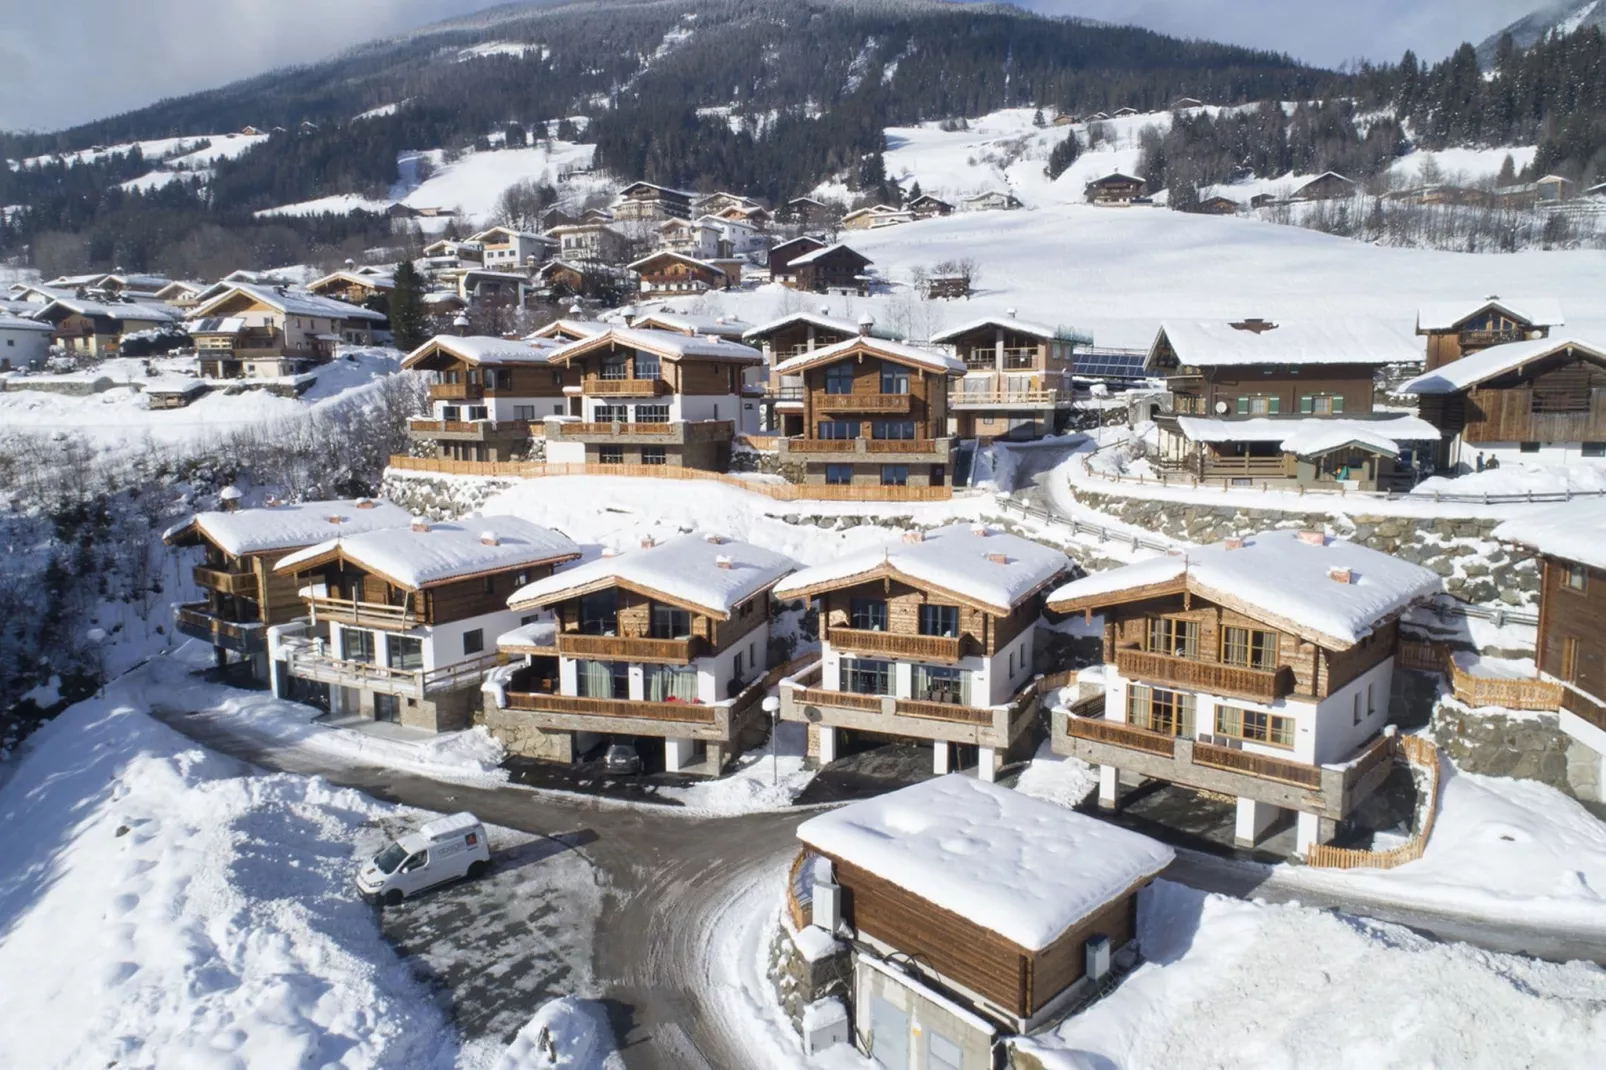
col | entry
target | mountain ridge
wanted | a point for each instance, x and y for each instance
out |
(1565, 17)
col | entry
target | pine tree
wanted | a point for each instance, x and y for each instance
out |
(1508, 172)
(1062, 156)
(1038, 120)
(409, 322)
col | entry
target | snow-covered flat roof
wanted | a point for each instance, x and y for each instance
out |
(1448, 315)
(1575, 531)
(901, 352)
(1276, 577)
(271, 528)
(668, 344)
(1008, 323)
(816, 319)
(415, 559)
(1309, 436)
(1495, 361)
(708, 573)
(995, 570)
(1014, 865)
(480, 349)
(1208, 344)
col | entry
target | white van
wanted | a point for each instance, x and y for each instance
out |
(443, 850)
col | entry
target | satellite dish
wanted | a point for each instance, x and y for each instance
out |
(1221, 408)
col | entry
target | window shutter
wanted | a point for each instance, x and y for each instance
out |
(1338, 403)
(1307, 404)
(1276, 405)
(1243, 406)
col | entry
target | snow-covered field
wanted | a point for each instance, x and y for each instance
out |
(335, 204)
(473, 183)
(177, 151)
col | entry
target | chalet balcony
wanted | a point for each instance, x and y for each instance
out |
(802, 700)
(932, 450)
(1228, 680)
(1020, 359)
(892, 644)
(1484, 339)
(226, 582)
(715, 722)
(630, 648)
(671, 712)
(862, 402)
(365, 614)
(197, 621)
(1331, 791)
(468, 430)
(1006, 399)
(306, 659)
(456, 391)
(672, 433)
(594, 386)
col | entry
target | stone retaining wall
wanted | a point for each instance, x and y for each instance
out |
(798, 981)
(1530, 746)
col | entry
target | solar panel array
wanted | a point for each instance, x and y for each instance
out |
(1110, 364)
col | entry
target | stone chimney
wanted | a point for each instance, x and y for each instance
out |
(914, 536)
(365, 503)
(488, 538)
(1233, 544)
(647, 542)
(1313, 538)
(980, 531)
(1341, 575)
(717, 540)
(231, 496)
(866, 322)
(998, 559)
(419, 524)
(723, 561)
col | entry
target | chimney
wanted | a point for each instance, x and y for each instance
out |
(460, 324)
(1313, 538)
(980, 531)
(1009, 312)
(825, 310)
(866, 322)
(365, 503)
(609, 551)
(1254, 325)
(419, 524)
(914, 536)
(1233, 544)
(336, 518)
(231, 496)
(998, 559)
(488, 538)
(647, 542)
(717, 540)
(1341, 575)
(723, 561)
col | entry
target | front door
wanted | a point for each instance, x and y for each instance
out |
(889, 1035)
(387, 708)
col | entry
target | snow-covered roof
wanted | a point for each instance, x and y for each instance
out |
(723, 326)
(994, 570)
(1023, 868)
(1310, 436)
(1448, 315)
(379, 281)
(271, 528)
(215, 325)
(526, 638)
(437, 553)
(1495, 361)
(1575, 531)
(667, 344)
(821, 254)
(9, 322)
(478, 349)
(293, 303)
(636, 265)
(828, 323)
(1276, 577)
(880, 347)
(139, 311)
(575, 329)
(1204, 343)
(1008, 323)
(706, 573)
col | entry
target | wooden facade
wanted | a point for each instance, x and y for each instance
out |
(1491, 325)
(1572, 628)
(1559, 399)
(839, 268)
(1115, 189)
(782, 255)
(670, 272)
(631, 637)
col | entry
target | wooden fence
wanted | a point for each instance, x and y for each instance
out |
(1425, 757)
(782, 492)
(1474, 690)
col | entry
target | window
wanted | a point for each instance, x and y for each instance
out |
(1528, 447)
(893, 429)
(939, 620)
(654, 455)
(839, 429)
(652, 414)
(1168, 712)
(474, 641)
(615, 368)
(487, 585)
(894, 378)
(610, 414)
(1371, 707)
(603, 679)
(478, 412)
(839, 379)
(647, 366)
(1357, 705)
(1259, 405)
(1173, 637)
(862, 676)
(868, 614)
(599, 612)
(500, 379)
(1249, 649)
(1569, 659)
(839, 475)
(357, 645)
(940, 684)
(894, 475)
(611, 455)
(1576, 578)
(671, 683)
(1321, 404)
(737, 664)
(405, 652)
(668, 622)
(524, 412)
(1255, 726)
(1594, 449)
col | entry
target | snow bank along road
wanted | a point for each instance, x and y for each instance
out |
(672, 878)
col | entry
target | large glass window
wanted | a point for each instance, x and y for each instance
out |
(839, 429)
(652, 414)
(357, 645)
(939, 620)
(894, 378)
(405, 652)
(934, 683)
(894, 475)
(669, 622)
(864, 676)
(903, 430)
(839, 379)
(1168, 712)
(611, 455)
(609, 414)
(839, 475)
(599, 612)
(671, 683)
(868, 614)
(647, 366)
(1256, 726)
(654, 455)
(603, 679)
(1173, 637)
(615, 368)
(1248, 648)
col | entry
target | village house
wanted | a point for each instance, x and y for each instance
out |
(95, 329)
(668, 272)
(484, 288)
(1219, 204)
(753, 215)
(1115, 189)
(1252, 401)
(1455, 329)
(24, 342)
(714, 203)
(128, 287)
(1123, 113)
(1543, 399)
(242, 596)
(875, 414)
(737, 239)
(569, 330)
(487, 396)
(664, 647)
(990, 201)
(1018, 377)
(782, 255)
(1259, 668)
(179, 294)
(353, 287)
(927, 206)
(948, 958)
(584, 242)
(697, 238)
(876, 215)
(729, 328)
(833, 269)
(400, 624)
(782, 339)
(645, 202)
(256, 331)
(931, 640)
(650, 398)
(507, 249)
(1327, 186)
(1548, 191)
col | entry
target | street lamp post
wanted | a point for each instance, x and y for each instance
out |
(772, 706)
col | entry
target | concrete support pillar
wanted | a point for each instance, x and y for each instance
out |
(941, 757)
(716, 755)
(827, 744)
(987, 764)
(678, 754)
(1109, 787)
(1254, 818)
(1311, 829)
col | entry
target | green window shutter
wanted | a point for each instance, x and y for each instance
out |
(1338, 403)
(1307, 404)
(1243, 406)
(1276, 405)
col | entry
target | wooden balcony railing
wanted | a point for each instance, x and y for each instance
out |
(629, 648)
(921, 647)
(364, 614)
(475, 428)
(822, 445)
(900, 445)
(1262, 685)
(1025, 398)
(944, 711)
(197, 620)
(306, 661)
(1271, 467)
(862, 402)
(677, 712)
(1121, 735)
(1258, 765)
(225, 582)
(624, 388)
(456, 391)
(617, 430)
(847, 700)
(1491, 338)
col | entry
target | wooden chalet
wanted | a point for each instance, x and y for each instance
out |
(928, 640)
(991, 201)
(807, 212)
(782, 255)
(401, 624)
(352, 287)
(645, 202)
(1018, 381)
(927, 206)
(1259, 668)
(241, 595)
(586, 242)
(949, 960)
(1219, 205)
(1327, 186)
(1541, 399)
(875, 215)
(1115, 189)
(487, 395)
(1254, 402)
(669, 272)
(649, 397)
(664, 646)
(486, 288)
(94, 329)
(257, 331)
(833, 269)
(1455, 329)
(782, 339)
(875, 414)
